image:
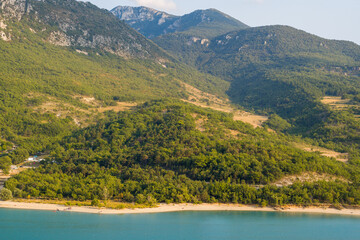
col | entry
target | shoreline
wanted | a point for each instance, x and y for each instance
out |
(166, 208)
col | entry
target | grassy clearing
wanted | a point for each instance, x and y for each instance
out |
(337, 103)
(341, 157)
(206, 100)
(307, 177)
(120, 107)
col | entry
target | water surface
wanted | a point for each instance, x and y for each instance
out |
(39, 225)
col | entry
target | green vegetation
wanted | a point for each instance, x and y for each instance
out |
(5, 164)
(4, 146)
(208, 23)
(156, 153)
(5, 194)
(283, 71)
(166, 150)
(276, 123)
(42, 85)
(183, 46)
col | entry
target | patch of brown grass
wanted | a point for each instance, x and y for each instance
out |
(199, 121)
(341, 157)
(337, 103)
(206, 100)
(120, 107)
(91, 101)
(307, 177)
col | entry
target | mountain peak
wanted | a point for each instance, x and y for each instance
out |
(200, 23)
(127, 13)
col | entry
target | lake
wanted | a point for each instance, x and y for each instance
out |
(38, 225)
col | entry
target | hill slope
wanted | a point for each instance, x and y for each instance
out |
(201, 23)
(168, 151)
(282, 70)
(48, 88)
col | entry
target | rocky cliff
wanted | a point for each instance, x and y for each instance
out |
(81, 25)
(14, 8)
(201, 23)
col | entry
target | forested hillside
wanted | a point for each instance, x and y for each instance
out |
(168, 151)
(50, 89)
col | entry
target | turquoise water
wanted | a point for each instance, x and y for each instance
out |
(38, 225)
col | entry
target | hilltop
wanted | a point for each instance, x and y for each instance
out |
(201, 23)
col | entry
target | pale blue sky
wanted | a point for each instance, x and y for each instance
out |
(333, 19)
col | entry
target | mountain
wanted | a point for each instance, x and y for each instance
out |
(201, 23)
(75, 27)
(280, 55)
(281, 70)
(63, 62)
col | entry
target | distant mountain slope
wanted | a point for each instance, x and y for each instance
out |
(282, 70)
(277, 54)
(201, 23)
(147, 21)
(280, 51)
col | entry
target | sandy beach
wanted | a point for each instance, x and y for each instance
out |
(163, 208)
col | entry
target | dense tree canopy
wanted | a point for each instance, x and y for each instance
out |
(159, 152)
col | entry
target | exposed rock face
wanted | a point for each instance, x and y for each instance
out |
(4, 37)
(82, 25)
(147, 21)
(154, 23)
(60, 39)
(2, 25)
(15, 8)
(142, 14)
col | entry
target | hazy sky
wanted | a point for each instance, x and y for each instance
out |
(333, 19)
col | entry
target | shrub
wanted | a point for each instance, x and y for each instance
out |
(5, 194)
(95, 203)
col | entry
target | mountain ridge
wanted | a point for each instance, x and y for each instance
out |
(200, 23)
(71, 26)
(285, 71)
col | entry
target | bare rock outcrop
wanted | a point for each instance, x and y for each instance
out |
(14, 8)
(79, 24)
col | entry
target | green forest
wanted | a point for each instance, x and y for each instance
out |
(157, 153)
